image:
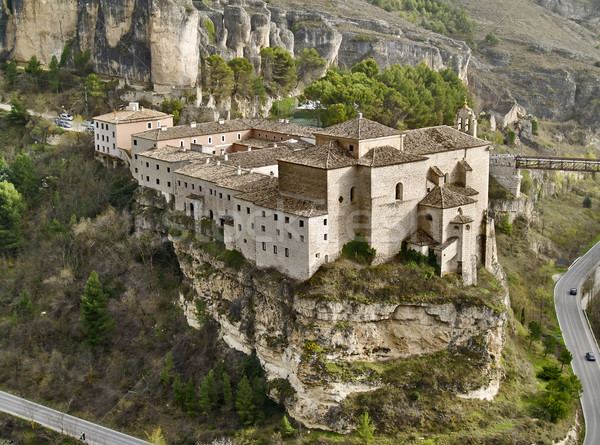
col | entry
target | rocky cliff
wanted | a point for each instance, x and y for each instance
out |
(317, 351)
(161, 41)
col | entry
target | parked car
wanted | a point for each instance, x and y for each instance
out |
(65, 116)
(573, 291)
(64, 124)
(89, 128)
(590, 356)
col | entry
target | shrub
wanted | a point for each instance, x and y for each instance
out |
(526, 182)
(587, 202)
(492, 39)
(549, 373)
(234, 259)
(358, 250)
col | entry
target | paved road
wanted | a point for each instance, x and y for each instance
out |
(579, 339)
(79, 126)
(64, 423)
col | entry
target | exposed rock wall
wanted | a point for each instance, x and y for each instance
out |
(261, 311)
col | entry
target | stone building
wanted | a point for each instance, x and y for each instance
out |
(292, 204)
(112, 131)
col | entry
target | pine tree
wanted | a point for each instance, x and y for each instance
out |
(208, 393)
(178, 391)
(535, 331)
(587, 202)
(24, 306)
(97, 322)
(549, 345)
(11, 207)
(365, 428)
(227, 394)
(258, 394)
(564, 357)
(244, 403)
(166, 375)
(54, 74)
(24, 175)
(191, 401)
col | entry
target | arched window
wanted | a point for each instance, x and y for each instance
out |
(428, 217)
(399, 191)
(211, 215)
(352, 194)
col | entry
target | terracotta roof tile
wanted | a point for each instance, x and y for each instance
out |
(439, 139)
(467, 191)
(445, 198)
(225, 176)
(327, 156)
(462, 219)
(271, 198)
(169, 153)
(358, 128)
(421, 238)
(131, 115)
(256, 158)
(387, 155)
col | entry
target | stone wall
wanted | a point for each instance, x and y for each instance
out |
(502, 169)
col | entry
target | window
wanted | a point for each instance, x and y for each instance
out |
(351, 147)
(168, 169)
(185, 184)
(275, 250)
(96, 124)
(113, 134)
(210, 140)
(239, 136)
(193, 185)
(262, 228)
(252, 226)
(287, 252)
(399, 191)
(181, 143)
(147, 178)
(278, 232)
(158, 124)
(220, 195)
(248, 210)
(262, 213)
(114, 147)
(325, 237)
(168, 183)
(275, 216)
(97, 136)
(149, 124)
(222, 138)
(102, 125)
(136, 169)
(352, 190)
(157, 181)
(301, 223)
(98, 147)
(239, 227)
(200, 188)
(258, 134)
(289, 235)
(147, 164)
(428, 217)
(287, 219)
(341, 199)
(239, 207)
(179, 183)
(135, 143)
(102, 138)
(136, 156)
(194, 141)
(245, 240)
(301, 238)
(228, 197)
(264, 246)
(157, 167)
(318, 255)
(325, 222)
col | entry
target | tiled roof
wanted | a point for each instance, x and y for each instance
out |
(131, 115)
(256, 158)
(327, 156)
(465, 165)
(461, 219)
(225, 176)
(467, 191)
(387, 155)
(445, 198)
(210, 128)
(271, 198)
(421, 238)
(358, 128)
(169, 153)
(439, 139)
(436, 170)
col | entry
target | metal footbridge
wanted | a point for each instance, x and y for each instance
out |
(555, 163)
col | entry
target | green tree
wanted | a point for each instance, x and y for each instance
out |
(523, 316)
(278, 70)
(243, 73)
(587, 202)
(178, 391)
(535, 128)
(166, 375)
(549, 345)
(24, 175)
(65, 54)
(365, 428)
(157, 437)
(217, 77)
(535, 331)
(564, 357)
(24, 305)
(511, 137)
(33, 67)
(309, 66)
(227, 393)
(492, 39)
(18, 114)
(208, 393)
(258, 394)
(11, 72)
(505, 225)
(244, 402)
(191, 400)
(526, 183)
(288, 429)
(368, 66)
(95, 86)
(54, 74)
(11, 207)
(97, 322)
(81, 60)
(5, 173)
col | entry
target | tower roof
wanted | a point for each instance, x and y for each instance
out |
(358, 128)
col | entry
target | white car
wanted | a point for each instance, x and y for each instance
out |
(65, 116)
(64, 124)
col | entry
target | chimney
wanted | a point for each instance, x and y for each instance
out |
(251, 171)
(134, 106)
(221, 121)
(275, 145)
(218, 163)
(359, 115)
(402, 141)
(249, 148)
(208, 160)
(115, 114)
(239, 170)
(163, 128)
(226, 157)
(271, 175)
(192, 124)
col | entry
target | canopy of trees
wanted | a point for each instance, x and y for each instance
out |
(400, 96)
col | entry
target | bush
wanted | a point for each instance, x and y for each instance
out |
(234, 259)
(587, 202)
(549, 373)
(358, 250)
(492, 39)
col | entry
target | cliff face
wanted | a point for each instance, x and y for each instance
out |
(303, 342)
(163, 41)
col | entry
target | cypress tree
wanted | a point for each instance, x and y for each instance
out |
(227, 394)
(178, 391)
(24, 306)
(97, 322)
(208, 393)
(191, 401)
(244, 403)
